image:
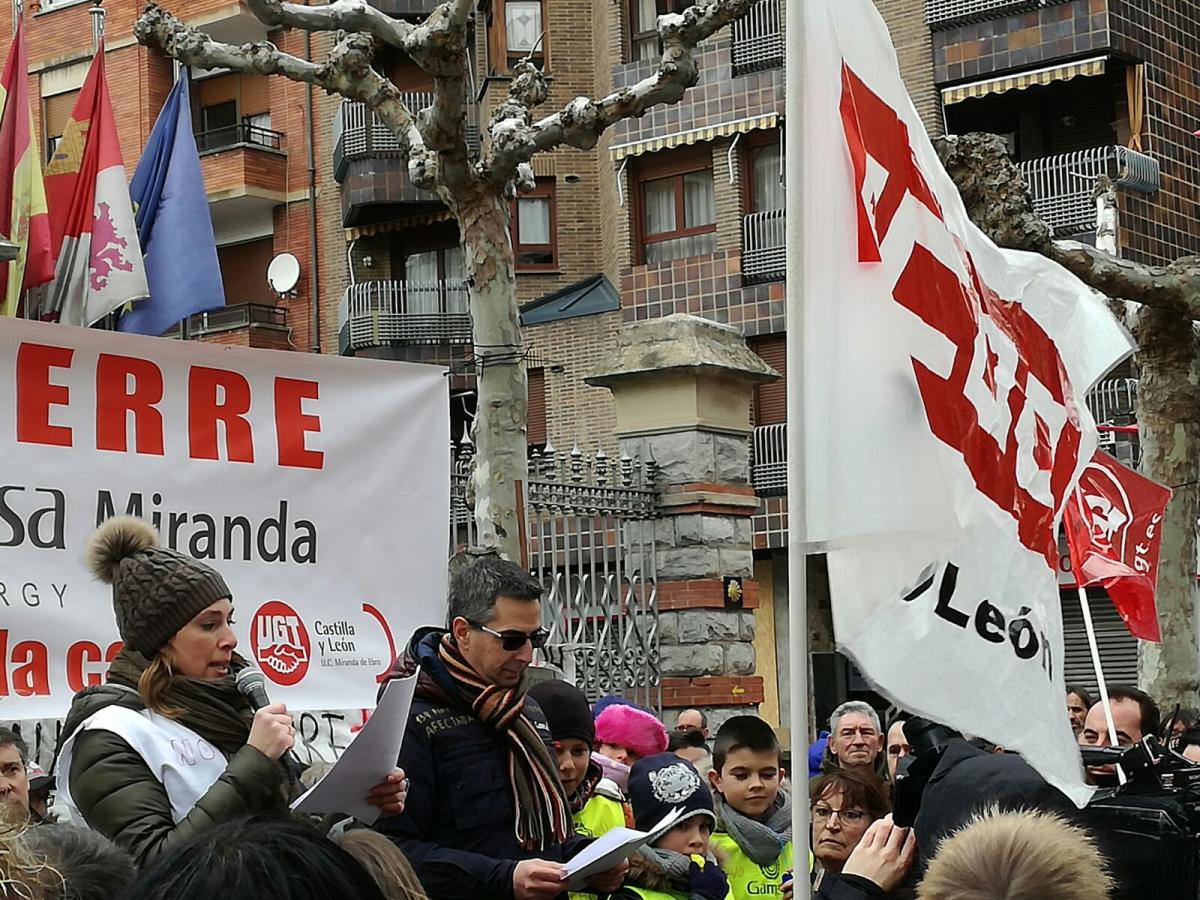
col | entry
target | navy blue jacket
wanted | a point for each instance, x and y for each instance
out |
(458, 824)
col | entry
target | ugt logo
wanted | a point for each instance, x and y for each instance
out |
(280, 643)
(1006, 405)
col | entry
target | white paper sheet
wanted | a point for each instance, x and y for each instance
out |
(366, 761)
(607, 851)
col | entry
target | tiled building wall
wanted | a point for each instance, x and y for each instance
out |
(1165, 36)
(718, 98)
(1024, 40)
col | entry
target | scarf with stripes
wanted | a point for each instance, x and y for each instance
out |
(542, 815)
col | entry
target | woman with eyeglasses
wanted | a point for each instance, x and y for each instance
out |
(844, 804)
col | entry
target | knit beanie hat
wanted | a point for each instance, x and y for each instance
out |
(632, 729)
(659, 784)
(156, 591)
(566, 709)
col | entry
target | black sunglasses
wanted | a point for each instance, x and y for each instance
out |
(512, 641)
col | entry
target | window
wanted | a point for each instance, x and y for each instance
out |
(643, 25)
(770, 398)
(535, 417)
(535, 227)
(678, 208)
(516, 29)
(435, 281)
(56, 113)
(766, 180)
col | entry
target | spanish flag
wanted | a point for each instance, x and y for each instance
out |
(23, 216)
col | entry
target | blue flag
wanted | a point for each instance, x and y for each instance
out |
(173, 223)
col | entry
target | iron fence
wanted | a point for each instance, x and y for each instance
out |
(764, 254)
(590, 524)
(946, 13)
(376, 313)
(758, 38)
(1061, 186)
(240, 134)
(359, 133)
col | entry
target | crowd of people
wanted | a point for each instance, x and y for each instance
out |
(170, 785)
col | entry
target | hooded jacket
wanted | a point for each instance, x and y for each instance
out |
(458, 824)
(119, 796)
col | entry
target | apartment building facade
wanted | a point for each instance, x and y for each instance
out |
(252, 133)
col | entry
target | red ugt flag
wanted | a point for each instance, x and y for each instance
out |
(1112, 522)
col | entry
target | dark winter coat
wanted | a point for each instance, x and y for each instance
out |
(119, 796)
(458, 824)
(849, 887)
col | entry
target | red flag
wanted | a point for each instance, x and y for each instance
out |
(23, 216)
(1113, 529)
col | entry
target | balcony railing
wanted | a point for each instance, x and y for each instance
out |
(230, 318)
(359, 133)
(1113, 404)
(377, 313)
(758, 38)
(1062, 185)
(763, 245)
(947, 13)
(240, 134)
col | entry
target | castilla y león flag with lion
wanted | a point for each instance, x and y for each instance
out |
(945, 423)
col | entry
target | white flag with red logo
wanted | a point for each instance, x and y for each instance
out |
(1113, 530)
(100, 266)
(945, 423)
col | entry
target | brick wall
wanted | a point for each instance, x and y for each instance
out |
(576, 411)
(914, 48)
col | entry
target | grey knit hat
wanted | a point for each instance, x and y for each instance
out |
(156, 591)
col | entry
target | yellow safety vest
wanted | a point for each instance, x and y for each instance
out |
(747, 879)
(599, 815)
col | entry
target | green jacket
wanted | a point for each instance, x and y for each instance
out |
(747, 879)
(118, 795)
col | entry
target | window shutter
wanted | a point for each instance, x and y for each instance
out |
(770, 400)
(58, 111)
(536, 416)
(221, 89)
(255, 95)
(1118, 648)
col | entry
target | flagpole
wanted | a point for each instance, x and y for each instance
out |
(796, 500)
(1091, 636)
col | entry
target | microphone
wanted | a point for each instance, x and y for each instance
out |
(252, 684)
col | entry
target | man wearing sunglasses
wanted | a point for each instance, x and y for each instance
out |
(486, 816)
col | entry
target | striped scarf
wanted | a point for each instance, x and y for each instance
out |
(542, 815)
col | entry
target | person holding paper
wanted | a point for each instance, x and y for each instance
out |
(169, 747)
(487, 817)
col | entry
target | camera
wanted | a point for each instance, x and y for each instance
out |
(1148, 830)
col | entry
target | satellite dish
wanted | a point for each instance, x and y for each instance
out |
(283, 273)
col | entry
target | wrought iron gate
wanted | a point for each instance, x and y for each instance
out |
(590, 530)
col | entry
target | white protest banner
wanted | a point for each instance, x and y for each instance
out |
(945, 422)
(318, 486)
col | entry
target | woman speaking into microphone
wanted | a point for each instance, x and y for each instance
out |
(168, 746)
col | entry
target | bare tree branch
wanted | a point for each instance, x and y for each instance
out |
(516, 138)
(346, 71)
(439, 46)
(340, 15)
(998, 201)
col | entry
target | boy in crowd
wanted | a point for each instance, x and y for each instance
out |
(597, 805)
(677, 864)
(754, 817)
